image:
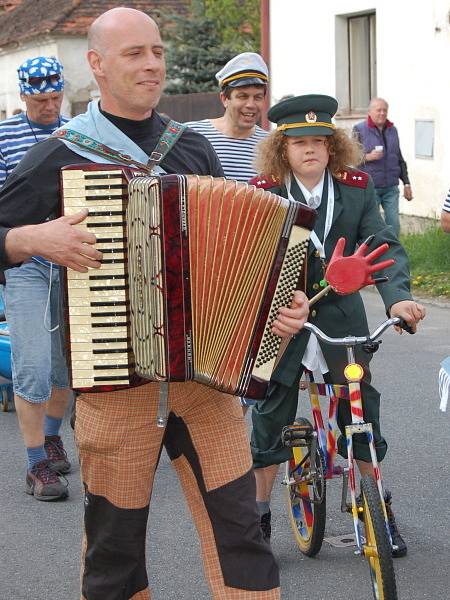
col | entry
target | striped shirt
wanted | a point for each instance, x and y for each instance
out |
(17, 135)
(236, 155)
(446, 206)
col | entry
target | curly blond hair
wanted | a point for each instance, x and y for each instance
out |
(345, 152)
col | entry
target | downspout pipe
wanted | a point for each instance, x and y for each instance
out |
(265, 53)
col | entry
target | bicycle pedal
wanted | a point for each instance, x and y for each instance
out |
(299, 433)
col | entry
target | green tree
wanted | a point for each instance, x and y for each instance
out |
(201, 43)
(239, 22)
(194, 54)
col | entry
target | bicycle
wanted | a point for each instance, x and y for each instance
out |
(313, 462)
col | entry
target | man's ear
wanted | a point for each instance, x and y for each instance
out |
(223, 99)
(95, 62)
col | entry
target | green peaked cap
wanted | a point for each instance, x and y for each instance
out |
(305, 115)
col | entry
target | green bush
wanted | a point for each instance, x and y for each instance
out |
(429, 256)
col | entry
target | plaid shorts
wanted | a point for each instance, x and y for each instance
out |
(206, 439)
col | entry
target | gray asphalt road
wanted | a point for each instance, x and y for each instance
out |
(39, 542)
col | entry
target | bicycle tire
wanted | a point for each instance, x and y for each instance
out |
(307, 518)
(377, 548)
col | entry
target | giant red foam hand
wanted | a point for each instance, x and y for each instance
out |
(348, 274)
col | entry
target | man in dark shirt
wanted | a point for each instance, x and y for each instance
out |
(116, 432)
(383, 160)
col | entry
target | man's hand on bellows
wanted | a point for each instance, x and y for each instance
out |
(290, 320)
(62, 243)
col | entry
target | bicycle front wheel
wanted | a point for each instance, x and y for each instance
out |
(377, 548)
(306, 500)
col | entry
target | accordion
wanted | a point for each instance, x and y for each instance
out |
(194, 272)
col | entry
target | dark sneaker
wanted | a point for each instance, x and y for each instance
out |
(44, 484)
(266, 527)
(56, 454)
(399, 545)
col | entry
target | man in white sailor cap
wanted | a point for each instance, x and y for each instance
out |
(234, 136)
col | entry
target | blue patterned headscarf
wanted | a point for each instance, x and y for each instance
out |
(40, 75)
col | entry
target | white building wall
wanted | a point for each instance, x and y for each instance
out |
(413, 49)
(71, 51)
(9, 62)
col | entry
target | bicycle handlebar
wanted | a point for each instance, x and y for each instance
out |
(352, 340)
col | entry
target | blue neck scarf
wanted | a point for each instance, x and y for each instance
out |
(95, 125)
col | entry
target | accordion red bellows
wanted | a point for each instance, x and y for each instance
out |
(193, 284)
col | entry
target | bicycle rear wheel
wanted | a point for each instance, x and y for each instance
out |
(306, 500)
(377, 548)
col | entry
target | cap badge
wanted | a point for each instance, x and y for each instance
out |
(311, 117)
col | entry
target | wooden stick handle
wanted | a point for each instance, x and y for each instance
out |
(318, 296)
(285, 341)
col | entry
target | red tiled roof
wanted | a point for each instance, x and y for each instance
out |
(6, 5)
(32, 18)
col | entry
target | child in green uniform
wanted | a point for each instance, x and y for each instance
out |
(308, 160)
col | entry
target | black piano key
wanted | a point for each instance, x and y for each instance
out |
(110, 224)
(107, 367)
(114, 251)
(118, 324)
(103, 277)
(107, 213)
(108, 288)
(112, 261)
(125, 340)
(108, 303)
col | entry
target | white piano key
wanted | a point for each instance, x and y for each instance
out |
(98, 332)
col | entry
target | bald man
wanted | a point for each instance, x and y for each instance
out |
(383, 160)
(117, 437)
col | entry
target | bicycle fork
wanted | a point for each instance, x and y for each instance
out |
(353, 373)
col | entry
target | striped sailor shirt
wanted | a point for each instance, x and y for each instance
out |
(236, 155)
(17, 135)
(446, 206)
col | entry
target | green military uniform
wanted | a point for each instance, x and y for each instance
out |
(355, 217)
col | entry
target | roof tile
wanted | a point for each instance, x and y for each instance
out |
(31, 18)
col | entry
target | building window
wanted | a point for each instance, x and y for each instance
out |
(356, 67)
(424, 139)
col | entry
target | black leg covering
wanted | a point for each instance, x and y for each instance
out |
(246, 560)
(114, 566)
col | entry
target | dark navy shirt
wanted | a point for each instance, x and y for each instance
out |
(31, 193)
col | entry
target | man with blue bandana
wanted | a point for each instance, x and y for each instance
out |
(41, 85)
(32, 296)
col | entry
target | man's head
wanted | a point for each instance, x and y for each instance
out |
(378, 111)
(126, 55)
(41, 85)
(243, 84)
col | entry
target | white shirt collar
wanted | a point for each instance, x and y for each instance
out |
(314, 197)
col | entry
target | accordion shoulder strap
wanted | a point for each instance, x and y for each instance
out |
(167, 140)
